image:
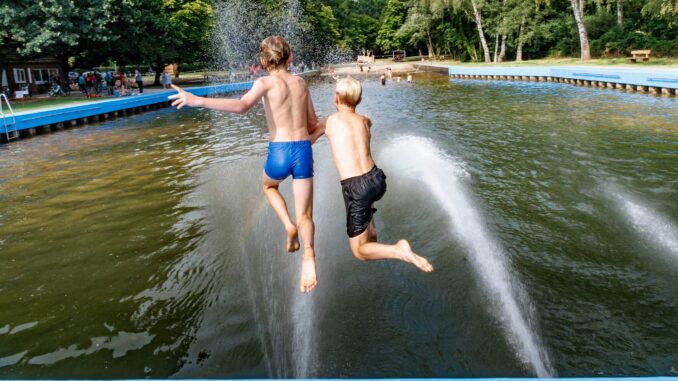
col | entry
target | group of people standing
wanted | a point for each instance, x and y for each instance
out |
(93, 83)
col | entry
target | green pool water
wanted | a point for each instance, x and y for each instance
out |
(143, 246)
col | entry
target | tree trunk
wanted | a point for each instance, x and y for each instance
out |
(583, 37)
(479, 24)
(620, 14)
(496, 49)
(502, 51)
(159, 68)
(429, 45)
(581, 9)
(519, 51)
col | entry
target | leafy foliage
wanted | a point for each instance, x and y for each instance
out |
(153, 33)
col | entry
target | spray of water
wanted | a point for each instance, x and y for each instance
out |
(444, 177)
(656, 229)
(240, 25)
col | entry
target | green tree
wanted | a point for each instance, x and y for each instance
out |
(394, 16)
(165, 32)
(59, 28)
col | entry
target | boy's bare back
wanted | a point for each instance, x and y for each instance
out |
(349, 136)
(288, 106)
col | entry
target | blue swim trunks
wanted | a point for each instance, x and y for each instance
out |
(289, 158)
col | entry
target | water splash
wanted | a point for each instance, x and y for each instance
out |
(655, 228)
(240, 25)
(420, 159)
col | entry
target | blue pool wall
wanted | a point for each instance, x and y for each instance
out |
(658, 78)
(28, 120)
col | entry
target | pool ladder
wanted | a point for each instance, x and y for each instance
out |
(10, 126)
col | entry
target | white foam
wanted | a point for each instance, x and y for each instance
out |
(443, 176)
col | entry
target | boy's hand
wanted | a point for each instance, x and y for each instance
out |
(319, 130)
(183, 98)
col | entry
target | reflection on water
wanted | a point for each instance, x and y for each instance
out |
(142, 247)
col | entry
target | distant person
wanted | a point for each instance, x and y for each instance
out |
(117, 81)
(98, 81)
(90, 81)
(66, 86)
(362, 182)
(123, 81)
(166, 80)
(108, 78)
(409, 78)
(389, 73)
(139, 80)
(81, 84)
(398, 79)
(383, 80)
(291, 118)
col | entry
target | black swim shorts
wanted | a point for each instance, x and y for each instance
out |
(360, 193)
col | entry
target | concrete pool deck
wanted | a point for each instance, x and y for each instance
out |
(643, 80)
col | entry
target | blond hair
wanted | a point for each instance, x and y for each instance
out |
(274, 52)
(349, 91)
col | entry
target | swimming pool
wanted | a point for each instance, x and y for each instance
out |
(143, 247)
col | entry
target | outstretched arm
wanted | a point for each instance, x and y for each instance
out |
(319, 130)
(240, 106)
(311, 117)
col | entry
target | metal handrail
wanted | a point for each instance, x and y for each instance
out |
(4, 119)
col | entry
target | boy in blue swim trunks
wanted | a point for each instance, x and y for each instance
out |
(290, 117)
(362, 182)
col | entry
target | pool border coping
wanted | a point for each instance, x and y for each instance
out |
(643, 80)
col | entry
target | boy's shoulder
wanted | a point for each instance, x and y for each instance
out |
(338, 117)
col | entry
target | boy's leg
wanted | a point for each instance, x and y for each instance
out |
(371, 232)
(303, 206)
(372, 251)
(280, 207)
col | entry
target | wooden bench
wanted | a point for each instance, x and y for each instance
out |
(636, 54)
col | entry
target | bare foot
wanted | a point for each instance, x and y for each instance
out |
(292, 239)
(308, 277)
(411, 257)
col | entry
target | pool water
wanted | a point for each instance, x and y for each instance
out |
(143, 246)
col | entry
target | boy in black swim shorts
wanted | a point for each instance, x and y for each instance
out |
(362, 182)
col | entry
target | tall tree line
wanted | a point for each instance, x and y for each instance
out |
(86, 33)
(494, 30)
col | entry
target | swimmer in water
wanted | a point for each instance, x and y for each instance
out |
(362, 182)
(291, 119)
(383, 80)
